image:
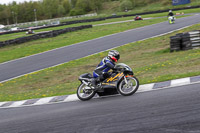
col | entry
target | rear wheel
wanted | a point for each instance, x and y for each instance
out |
(84, 92)
(128, 88)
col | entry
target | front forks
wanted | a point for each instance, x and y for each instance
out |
(125, 80)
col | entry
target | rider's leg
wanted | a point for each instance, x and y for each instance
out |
(100, 77)
(94, 79)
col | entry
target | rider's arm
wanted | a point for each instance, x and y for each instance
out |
(110, 65)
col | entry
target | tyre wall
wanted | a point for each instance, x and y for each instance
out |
(185, 41)
(50, 26)
(47, 34)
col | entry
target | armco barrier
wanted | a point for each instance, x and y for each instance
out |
(42, 35)
(185, 41)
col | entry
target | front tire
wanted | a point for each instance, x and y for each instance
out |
(84, 92)
(129, 88)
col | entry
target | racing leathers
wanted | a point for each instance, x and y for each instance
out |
(101, 71)
(171, 14)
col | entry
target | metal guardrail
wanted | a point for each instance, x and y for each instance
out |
(185, 41)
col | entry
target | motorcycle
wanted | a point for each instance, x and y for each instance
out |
(122, 80)
(138, 18)
(171, 19)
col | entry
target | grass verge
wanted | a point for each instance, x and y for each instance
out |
(143, 6)
(22, 34)
(37, 46)
(150, 59)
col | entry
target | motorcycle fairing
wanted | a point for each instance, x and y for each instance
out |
(113, 80)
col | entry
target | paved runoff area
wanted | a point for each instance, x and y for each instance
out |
(68, 98)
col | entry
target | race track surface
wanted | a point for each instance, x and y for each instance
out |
(172, 110)
(37, 62)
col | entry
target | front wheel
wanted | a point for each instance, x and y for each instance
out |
(128, 86)
(84, 92)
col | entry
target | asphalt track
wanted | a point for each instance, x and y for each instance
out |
(172, 110)
(15, 68)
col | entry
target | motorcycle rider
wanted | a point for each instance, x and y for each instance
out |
(107, 63)
(171, 14)
(138, 17)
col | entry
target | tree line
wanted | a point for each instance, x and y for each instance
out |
(48, 9)
(45, 9)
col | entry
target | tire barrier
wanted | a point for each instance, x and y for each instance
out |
(47, 34)
(185, 41)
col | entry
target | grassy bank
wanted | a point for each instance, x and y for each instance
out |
(22, 34)
(143, 6)
(150, 59)
(41, 45)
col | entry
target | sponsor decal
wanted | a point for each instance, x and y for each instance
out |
(115, 77)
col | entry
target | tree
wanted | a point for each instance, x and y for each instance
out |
(85, 5)
(5, 16)
(73, 3)
(61, 10)
(67, 6)
(96, 5)
(76, 11)
(50, 8)
(126, 5)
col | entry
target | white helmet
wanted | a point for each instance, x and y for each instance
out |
(170, 10)
(114, 55)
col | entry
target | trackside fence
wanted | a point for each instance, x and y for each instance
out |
(185, 41)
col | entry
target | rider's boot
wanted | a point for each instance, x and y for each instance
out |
(96, 83)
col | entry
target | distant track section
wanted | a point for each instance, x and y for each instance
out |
(46, 34)
(19, 67)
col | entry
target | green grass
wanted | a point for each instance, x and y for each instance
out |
(145, 6)
(22, 34)
(33, 47)
(150, 60)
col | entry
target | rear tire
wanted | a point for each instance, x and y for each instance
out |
(84, 92)
(130, 88)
